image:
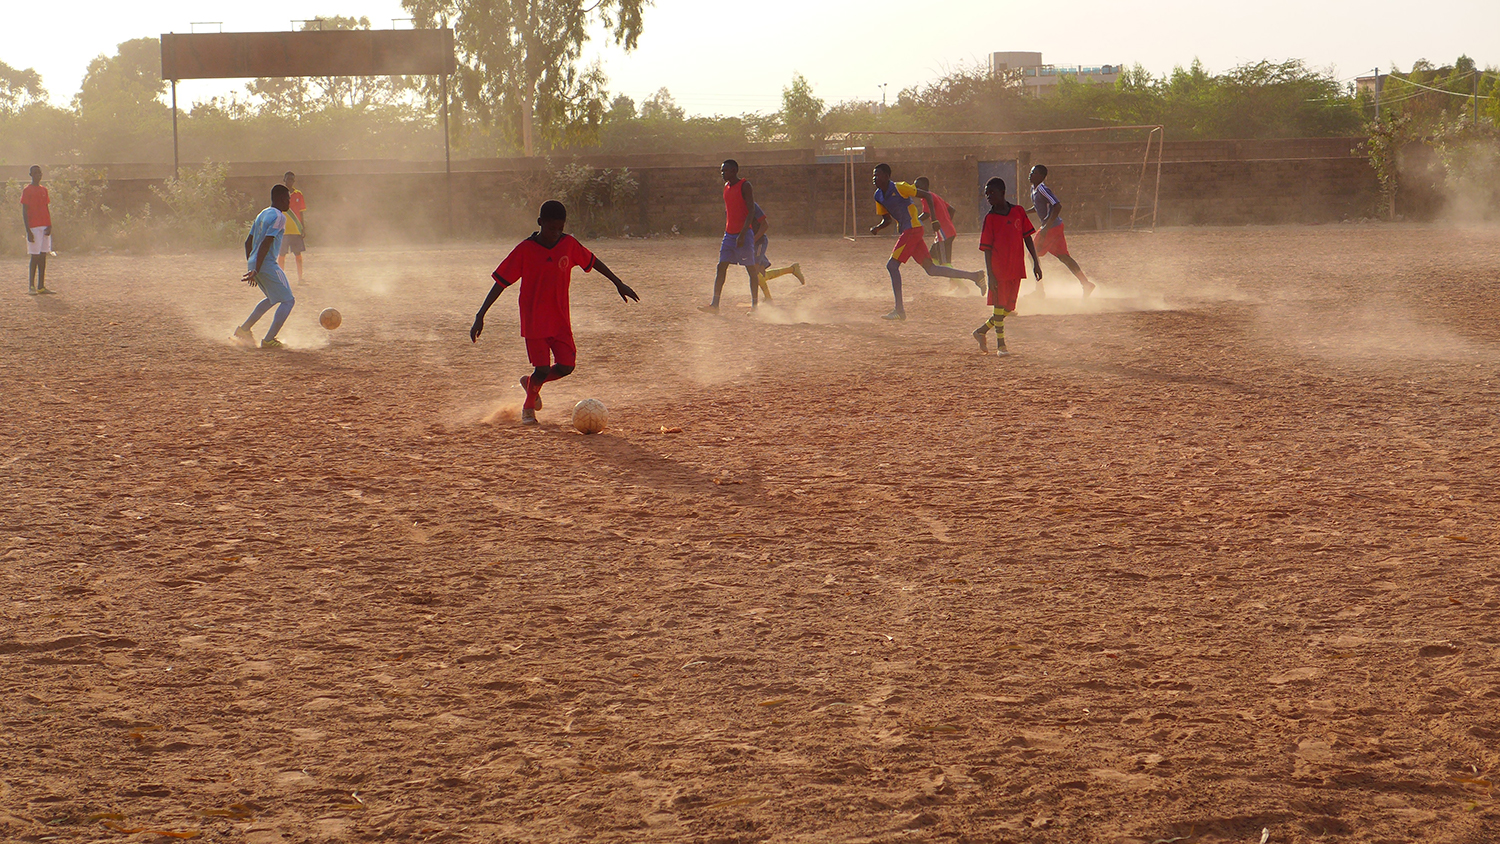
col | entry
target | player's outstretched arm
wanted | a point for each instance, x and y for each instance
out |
(260, 259)
(1036, 265)
(478, 327)
(626, 294)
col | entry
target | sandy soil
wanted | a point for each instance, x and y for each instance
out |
(1211, 554)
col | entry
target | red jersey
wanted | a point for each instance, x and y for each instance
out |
(35, 198)
(544, 275)
(735, 212)
(940, 209)
(1004, 238)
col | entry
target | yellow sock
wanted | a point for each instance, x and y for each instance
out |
(997, 321)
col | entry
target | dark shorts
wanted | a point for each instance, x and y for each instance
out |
(730, 252)
(292, 243)
(544, 351)
(760, 252)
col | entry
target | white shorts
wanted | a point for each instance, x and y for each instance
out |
(40, 242)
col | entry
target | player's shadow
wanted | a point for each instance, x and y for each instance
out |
(667, 475)
(53, 305)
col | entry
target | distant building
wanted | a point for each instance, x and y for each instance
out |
(1369, 84)
(1040, 80)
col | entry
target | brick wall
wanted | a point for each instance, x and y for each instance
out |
(1202, 183)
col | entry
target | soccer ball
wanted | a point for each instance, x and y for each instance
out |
(330, 318)
(589, 416)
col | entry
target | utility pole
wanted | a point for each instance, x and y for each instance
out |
(1377, 95)
(1476, 96)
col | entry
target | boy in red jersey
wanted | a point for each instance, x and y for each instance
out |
(544, 263)
(1049, 235)
(738, 246)
(36, 217)
(938, 214)
(1006, 228)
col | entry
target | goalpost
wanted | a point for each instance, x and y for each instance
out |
(1012, 152)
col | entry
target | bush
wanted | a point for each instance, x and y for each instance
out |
(597, 200)
(201, 212)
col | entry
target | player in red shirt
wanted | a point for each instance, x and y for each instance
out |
(738, 245)
(938, 213)
(36, 217)
(1006, 228)
(544, 263)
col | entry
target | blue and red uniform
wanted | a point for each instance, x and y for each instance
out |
(898, 200)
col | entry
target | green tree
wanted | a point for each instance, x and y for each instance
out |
(519, 62)
(19, 89)
(121, 115)
(661, 106)
(802, 113)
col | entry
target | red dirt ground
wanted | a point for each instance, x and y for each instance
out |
(1212, 554)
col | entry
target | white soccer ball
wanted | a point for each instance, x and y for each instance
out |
(590, 416)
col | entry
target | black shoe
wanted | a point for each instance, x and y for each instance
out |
(898, 315)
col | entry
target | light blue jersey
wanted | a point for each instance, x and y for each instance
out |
(269, 223)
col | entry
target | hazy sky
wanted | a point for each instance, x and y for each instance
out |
(715, 63)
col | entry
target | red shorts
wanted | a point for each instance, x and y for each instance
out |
(1004, 294)
(1052, 242)
(912, 244)
(544, 351)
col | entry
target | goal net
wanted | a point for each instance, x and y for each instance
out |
(1108, 177)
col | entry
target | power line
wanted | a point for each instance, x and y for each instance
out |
(1465, 95)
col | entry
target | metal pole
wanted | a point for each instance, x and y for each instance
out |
(1476, 99)
(1161, 143)
(1377, 95)
(447, 156)
(174, 130)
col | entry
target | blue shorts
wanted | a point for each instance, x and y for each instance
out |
(730, 252)
(273, 283)
(760, 251)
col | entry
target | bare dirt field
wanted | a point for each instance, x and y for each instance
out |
(1213, 553)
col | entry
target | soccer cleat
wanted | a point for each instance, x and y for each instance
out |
(1000, 347)
(528, 416)
(31, 291)
(45, 291)
(709, 309)
(982, 336)
(243, 336)
(272, 343)
(534, 400)
(978, 279)
(797, 271)
(897, 315)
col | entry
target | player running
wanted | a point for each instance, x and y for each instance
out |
(296, 225)
(1006, 228)
(763, 270)
(938, 214)
(36, 218)
(738, 246)
(894, 201)
(264, 242)
(1049, 234)
(544, 263)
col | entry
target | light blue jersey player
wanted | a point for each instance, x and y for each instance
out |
(261, 249)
